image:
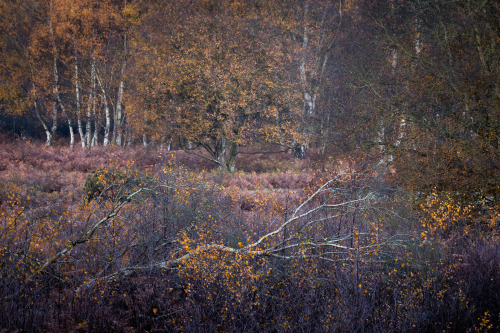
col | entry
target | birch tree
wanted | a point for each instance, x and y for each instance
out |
(77, 39)
(442, 108)
(43, 54)
(310, 31)
(97, 36)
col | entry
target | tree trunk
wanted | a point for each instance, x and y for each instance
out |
(95, 116)
(217, 151)
(381, 141)
(220, 153)
(56, 89)
(107, 116)
(401, 131)
(70, 125)
(78, 106)
(91, 105)
(108, 120)
(300, 151)
(61, 104)
(118, 130)
(231, 161)
(309, 103)
(71, 134)
(77, 97)
(310, 84)
(48, 141)
(54, 107)
(48, 133)
(54, 118)
(118, 124)
(80, 126)
(226, 163)
(96, 130)
(88, 127)
(113, 135)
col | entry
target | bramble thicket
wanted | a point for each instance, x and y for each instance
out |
(249, 165)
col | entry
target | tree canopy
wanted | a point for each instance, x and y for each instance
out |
(414, 85)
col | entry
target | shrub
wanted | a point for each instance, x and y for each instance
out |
(114, 181)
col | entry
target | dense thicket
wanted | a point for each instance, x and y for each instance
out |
(145, 244)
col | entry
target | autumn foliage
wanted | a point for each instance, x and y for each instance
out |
(167, 247)
(249, 165)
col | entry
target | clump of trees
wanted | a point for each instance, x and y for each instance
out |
(404, 81)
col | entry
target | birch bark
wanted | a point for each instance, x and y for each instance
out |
(119, 117)
(77, 98)
(56, 84)
(312, 65)
(104, 98)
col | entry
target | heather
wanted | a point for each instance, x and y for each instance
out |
(138, 239)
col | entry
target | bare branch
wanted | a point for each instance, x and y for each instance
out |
(86, 237)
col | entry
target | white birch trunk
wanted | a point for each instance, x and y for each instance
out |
(401, 135)
(88, 122)
(220, 153)
(54, 107)
(48, 141)
(95, 116)
(70, 124)
(48, 133)
(90, 106)
(310, 82)
(108, 121)
(119, 114)
(96, 127)
(54, 118)
(78, 106)
(302, 69)
(118, 125)
(107, 116)
(61, 104)
(300, 149)
(402, 128)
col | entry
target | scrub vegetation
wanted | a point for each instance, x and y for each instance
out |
(166, 245)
